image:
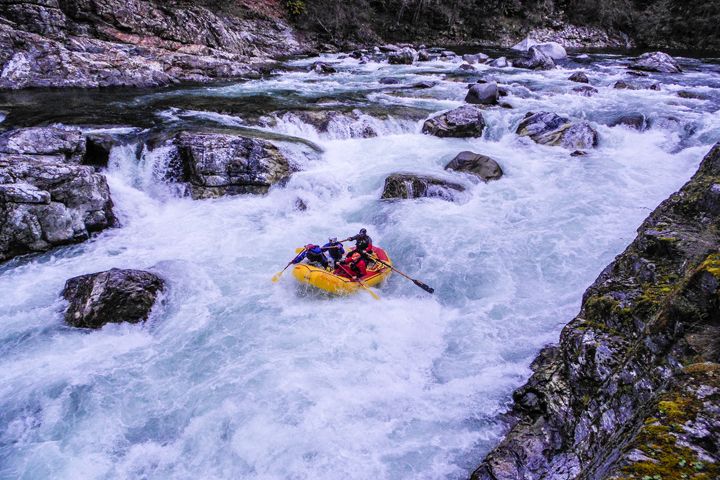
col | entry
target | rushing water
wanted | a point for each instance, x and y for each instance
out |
(236, 377)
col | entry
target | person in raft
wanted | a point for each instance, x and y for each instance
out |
(363, 242)
(353, 266)
(314, 254)
(335, 250)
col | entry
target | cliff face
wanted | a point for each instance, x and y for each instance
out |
(99, 43)
(632, 389)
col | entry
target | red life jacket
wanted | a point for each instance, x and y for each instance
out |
(353, 266)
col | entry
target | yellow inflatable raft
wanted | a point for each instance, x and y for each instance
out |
(329, 282)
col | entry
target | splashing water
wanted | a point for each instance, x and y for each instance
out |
(236, 377)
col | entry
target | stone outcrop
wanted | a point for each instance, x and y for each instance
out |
(99, 43)
(631, 390)
(584, 90)
(410, 185)
(638, 121)
(45, 202)
(113, 296)
(62, 144)
(548, 128)
(214, 165)
(481, 166)
(465, 121)
(579, 77)
(402, 57)
(483, 94)
(656, 62)
(535, 59)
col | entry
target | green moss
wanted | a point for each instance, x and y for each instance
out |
(711, 265)
(658, 441)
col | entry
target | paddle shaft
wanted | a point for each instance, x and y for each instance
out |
(420, 284)
(357, 279)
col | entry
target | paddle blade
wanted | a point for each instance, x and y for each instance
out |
(277, 276)
(427, 288)
(374, 295)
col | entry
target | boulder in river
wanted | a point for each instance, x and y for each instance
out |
(525, 44)
(216, 164)
(113, 296)
(321, 67)
(409, 185)
(465, 121)
(656, 62)
(579, 77)
(552, 49)
(535, 59)
(548, 128)
(406, 56)
(47, 202)
(623, 85)
(481, 166)
(475, 58)
(483, 94)
(585, 90)
(390, 81)
(500, 62)
(65, 144)
(632, 120)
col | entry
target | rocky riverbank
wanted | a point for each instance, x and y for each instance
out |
(631, 389)
(137, 43)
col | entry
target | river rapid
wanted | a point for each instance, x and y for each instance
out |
(234, 376)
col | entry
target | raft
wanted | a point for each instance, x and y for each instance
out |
(329, 282)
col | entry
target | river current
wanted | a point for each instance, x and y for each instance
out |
(236, 377)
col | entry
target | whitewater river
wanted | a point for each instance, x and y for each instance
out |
(236, 377)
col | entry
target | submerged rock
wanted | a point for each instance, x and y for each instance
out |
(465, 121)
(579, 77)
(68, 144)
(632, 120)
(656, 62)
(635, 379)
(548, 128)
(322, 67)
(47, 202)
(409, 185)
(481, 166)
(113, 296)
(585, 90)
(483, 94)
(214, 164)
(535, 59)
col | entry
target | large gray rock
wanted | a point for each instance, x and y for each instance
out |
(483, 94)
(579, 77)
(552, 49)
(475, 58)
(65, 143)
(584, 90)
(656, 62)
(500, 62)
(403, 57)
(214, 164)
(638, 121)
(47, 202)
(113, 296)
(547, 128)
(535, 59)
(481, 166)
(465, 121)
(409, 185)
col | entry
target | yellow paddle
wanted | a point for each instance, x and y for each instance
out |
(277, 276)
(362, 284)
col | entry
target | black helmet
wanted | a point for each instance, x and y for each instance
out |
(333, 239)
(363, 231)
